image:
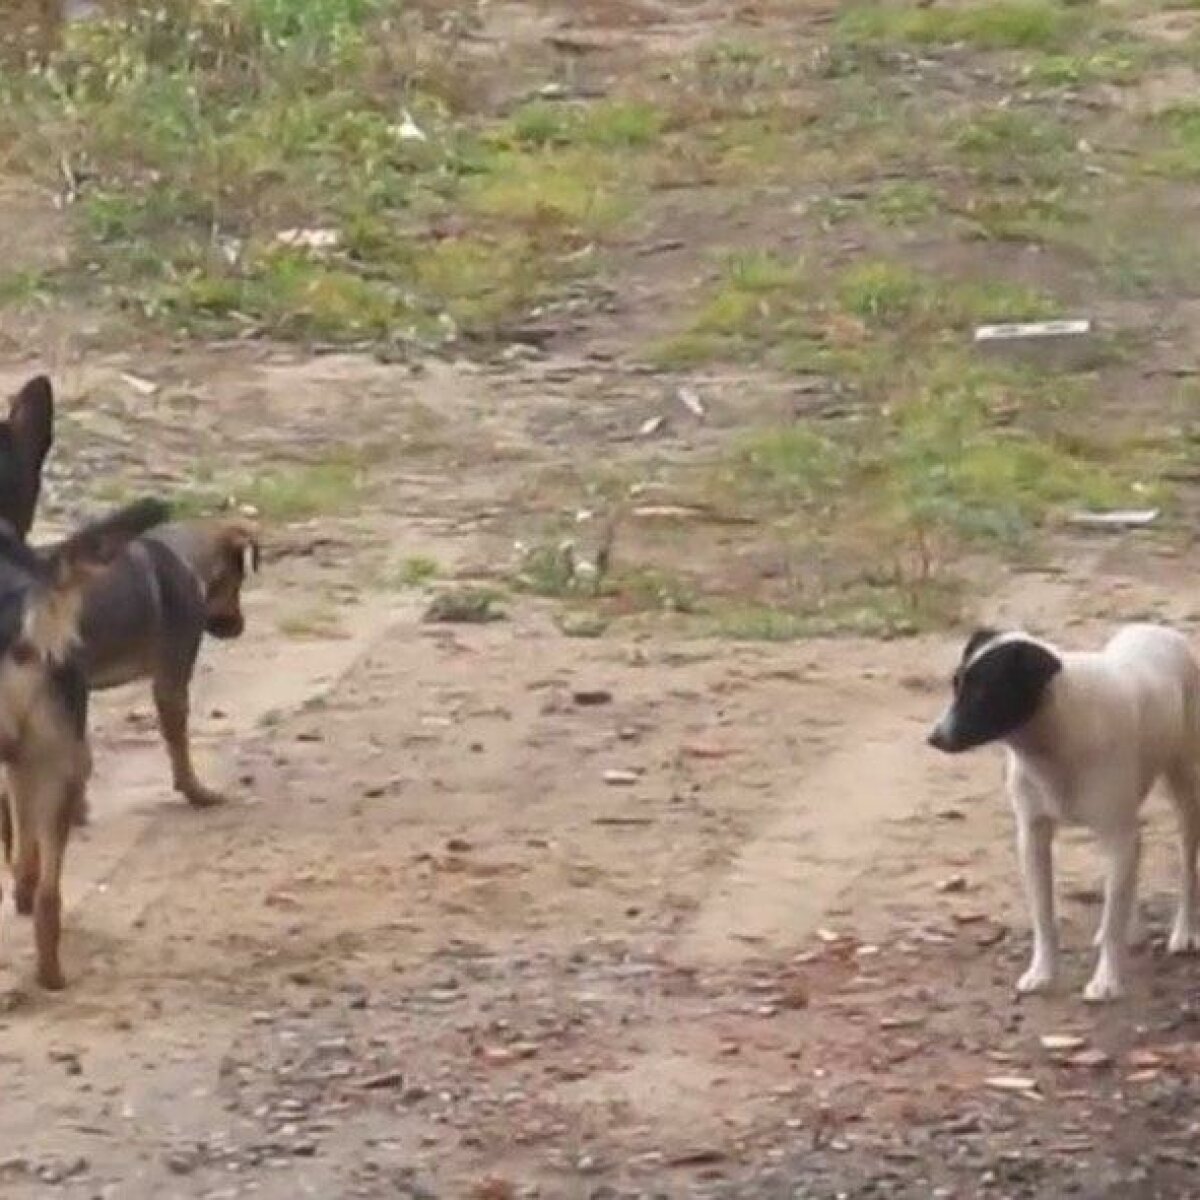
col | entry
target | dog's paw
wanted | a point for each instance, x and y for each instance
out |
(202, 797)
(51, 978)
(1103, 987)
(1184, 939)
(1039, 978)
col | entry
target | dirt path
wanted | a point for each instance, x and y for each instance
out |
(438, 954)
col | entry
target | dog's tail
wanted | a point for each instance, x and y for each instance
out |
(52, 614)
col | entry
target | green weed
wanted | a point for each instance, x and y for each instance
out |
(994, 25)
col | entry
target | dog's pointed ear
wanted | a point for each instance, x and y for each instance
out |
(243, 538)
(31, 417)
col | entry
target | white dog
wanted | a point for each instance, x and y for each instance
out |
(1088, 735)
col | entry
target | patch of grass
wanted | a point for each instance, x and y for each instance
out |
(1178, 133)
(1016, 146)
(1122, 63)
(1044, 216)
(890, 294)
(549, 569)
(607, 125)
(876, 513)
(991, 25)
(756, 295)
(289, 494)
(878, 610)
(417, 570)
(904, 202)
(649, 589)
(466, 606)
(572, 191)
(317, 622)
(211, 134)
(23, 289)
(857, 324)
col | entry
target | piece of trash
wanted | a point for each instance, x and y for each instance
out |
(690, 399)
(1018, 331)
(408, 130)
(309, 239)
(143, 387)
(1062, 1042)
(1116, 518)
(1068, 345)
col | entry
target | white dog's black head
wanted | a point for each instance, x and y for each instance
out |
(998, 687)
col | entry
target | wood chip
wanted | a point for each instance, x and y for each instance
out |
(1092, 1059)
(1011, 1083)
(620, 778)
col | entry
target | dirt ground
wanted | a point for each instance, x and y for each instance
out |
(494, 912)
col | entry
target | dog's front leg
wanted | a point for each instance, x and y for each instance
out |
(1122, 850)
(1035, 847)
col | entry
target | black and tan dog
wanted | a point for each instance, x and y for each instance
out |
(43, 706)
(146, 616)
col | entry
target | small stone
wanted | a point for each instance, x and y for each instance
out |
(1062, 1042)
(591, 697)
(621, 778)
(955, 883)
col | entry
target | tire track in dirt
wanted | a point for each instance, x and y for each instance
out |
(802, 862)
(842, 820)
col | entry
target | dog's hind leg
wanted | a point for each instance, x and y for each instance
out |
(1184, 786)
(45, 796)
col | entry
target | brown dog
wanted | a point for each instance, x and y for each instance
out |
(146, 616)
(43, 707)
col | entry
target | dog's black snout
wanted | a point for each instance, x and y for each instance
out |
(225, 626)
(940, 737)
